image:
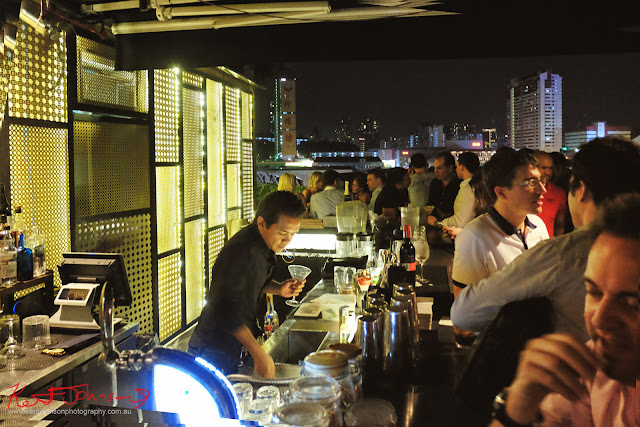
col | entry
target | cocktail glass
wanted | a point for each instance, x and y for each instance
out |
(11, 349)
(422, 255)
(299, 272)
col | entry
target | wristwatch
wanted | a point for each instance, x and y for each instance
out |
(500, 414)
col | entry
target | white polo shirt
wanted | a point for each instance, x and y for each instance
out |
(490, 242)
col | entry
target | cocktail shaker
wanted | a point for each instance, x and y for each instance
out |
(407, 301)
(396, 341)
(368, 338)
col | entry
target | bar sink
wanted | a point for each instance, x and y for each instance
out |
(296, 345)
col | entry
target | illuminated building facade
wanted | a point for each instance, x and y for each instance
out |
(573, 140)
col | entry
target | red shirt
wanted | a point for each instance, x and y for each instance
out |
(554, 203)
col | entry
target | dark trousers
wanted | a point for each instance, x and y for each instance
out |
(221, 360)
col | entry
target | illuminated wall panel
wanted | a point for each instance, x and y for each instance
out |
(247, 179)
(167, 111)
(234, 196)
(232, 123)
(247, 116)
(192, 79)
(194, 233)
(169, 296)
(215, 156)
(111, 167)
(192, 145)
(100, 84)
(5, 74)
(216, 242)
(131, 237)
(168, 208)
(38, 77)
(39, 165)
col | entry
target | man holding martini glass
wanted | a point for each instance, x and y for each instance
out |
(242, 272)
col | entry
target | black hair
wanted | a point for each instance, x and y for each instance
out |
(619, 216)
(395, 176)
(607, 166)
(418, 161)
(361, 179)
(470, 161)
(329, 177)
(449, 160)
(280, 203)
(500, 170)
(378, 173)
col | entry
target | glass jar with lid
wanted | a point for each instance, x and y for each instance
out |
(372, 413)
(307, 414)
(334, 364)
(322, 390)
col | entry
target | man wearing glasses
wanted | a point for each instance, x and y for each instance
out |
(491, 241)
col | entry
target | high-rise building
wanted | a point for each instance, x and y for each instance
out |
(436, 136)
(574, 139)
(284, 118)
(368, 134)
(534, 112)
(460, 131)
(344, 130)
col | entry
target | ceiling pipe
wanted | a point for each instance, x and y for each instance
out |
(190, 11)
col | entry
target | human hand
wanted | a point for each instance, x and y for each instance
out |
(291, 287)
(555, 363)
(263, 364)
(452, 232)
(432, 220)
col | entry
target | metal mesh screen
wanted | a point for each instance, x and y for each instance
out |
(5, 73)
(192, 146)
(192, 79)
(232, 122)
(247, 179)
(247, 116)
(38, 77)
(100, 84)
(111, 167)
(194, 232)
(233, 185)
(166, 111)
(234, 214)
(215, 156)
(168, 208)
(169, 295)
(216, 242)
(131, 237)
(39, 164)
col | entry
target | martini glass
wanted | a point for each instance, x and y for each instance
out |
(299, 272)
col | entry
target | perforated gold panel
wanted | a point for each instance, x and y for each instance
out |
(38, 77)
(168, 207)
(215, 156)
(25, 292)
(234, 197)
(192, 146)
(39, 166)
(5, 73)
(192, 79)
(247, 179)
(247, 116)
(232, 121)
(100, 84)
(169, 295)
(111, 167)
(131, 237)
(216, 242)
(234, 214)
(194, 232)
(166, 111)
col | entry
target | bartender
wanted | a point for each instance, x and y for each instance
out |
(241, 274)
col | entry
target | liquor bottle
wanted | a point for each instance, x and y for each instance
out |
(18, 227)
(5, 209)
(271, 320)
(408, 256)
(347, 194)
(25, 261)
(8, 255)
(36, 243)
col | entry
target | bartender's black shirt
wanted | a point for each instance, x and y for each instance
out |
(243, 268)
(391, 197)
(442, 197)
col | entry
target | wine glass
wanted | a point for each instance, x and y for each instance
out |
(299, 272)
(422, 254)
(11, 349)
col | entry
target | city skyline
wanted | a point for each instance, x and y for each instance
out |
(402, 95)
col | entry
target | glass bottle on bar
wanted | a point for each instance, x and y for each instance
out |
(408, 256)
(25, 261)
(36, 243)
(271, 320)
(18, 227)
(5, 208)
(8, 255)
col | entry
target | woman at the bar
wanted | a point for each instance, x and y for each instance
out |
(315, 185)
(287, 182)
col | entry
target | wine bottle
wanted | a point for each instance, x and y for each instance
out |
(408, 256)
(24, 260)
(8, 255)
(271, 320)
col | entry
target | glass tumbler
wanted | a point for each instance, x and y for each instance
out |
(35, 332)
(244, 393)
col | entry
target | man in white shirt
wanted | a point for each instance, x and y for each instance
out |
(463, 207)
(420, 180)
(493, 240)
(324, 203)
(375, 181)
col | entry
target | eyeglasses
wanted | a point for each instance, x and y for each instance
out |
(532, 183)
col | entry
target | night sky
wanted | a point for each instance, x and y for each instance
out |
(404, 94)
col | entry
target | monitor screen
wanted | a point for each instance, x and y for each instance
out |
(86, 267)
(74, 294)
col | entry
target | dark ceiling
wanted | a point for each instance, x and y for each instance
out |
(481, 29)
